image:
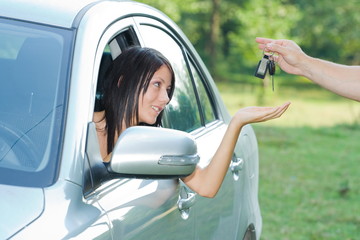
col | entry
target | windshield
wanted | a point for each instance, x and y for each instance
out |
(33, 80)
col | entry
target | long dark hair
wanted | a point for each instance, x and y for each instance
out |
(130, 73)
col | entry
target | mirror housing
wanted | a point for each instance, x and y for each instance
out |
(153, 152)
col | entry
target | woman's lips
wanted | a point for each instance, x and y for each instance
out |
(157, 109)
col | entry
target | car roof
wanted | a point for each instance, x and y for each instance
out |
(62, 13)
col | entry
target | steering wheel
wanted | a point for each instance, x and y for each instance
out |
(17, 150)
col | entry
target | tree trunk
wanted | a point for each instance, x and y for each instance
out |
(214, 35)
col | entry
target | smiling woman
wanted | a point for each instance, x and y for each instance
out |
(140, 85)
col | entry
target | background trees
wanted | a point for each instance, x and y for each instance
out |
(223, 31)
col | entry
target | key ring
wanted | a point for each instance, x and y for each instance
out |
(266, 63)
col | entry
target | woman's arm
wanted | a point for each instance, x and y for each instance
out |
(340, 79)
(207, 181)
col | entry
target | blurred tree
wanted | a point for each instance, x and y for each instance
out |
(200, 21)
(214, 32)
(260, 18)
(223, 31)
(329, 29)
(191, 15)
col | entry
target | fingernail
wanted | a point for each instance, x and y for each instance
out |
(269, 45)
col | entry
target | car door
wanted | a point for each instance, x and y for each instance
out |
(193, 110)
(137, 208)
(221, 211)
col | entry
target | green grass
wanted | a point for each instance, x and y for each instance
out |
(309, 161)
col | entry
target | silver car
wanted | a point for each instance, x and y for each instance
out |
(53, 184)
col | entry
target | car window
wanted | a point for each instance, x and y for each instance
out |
(33, 78)
(204, 97)
(182, 113)
(126, 38)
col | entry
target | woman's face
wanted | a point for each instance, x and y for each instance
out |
(156, 97)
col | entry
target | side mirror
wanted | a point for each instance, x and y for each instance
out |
(152, 152)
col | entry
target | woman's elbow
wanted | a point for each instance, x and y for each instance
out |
(208, 193)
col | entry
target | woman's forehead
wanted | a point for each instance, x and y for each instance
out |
(164, 74)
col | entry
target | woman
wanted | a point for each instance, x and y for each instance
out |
(141, 84)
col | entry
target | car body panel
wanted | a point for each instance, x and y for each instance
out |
(56, 12)
(147, 212)
(65, 215)
(15, 199)
(219, 224)
(120, 207)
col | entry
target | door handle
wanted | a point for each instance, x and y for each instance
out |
(236, 165)
(184, 205)
(187, 203)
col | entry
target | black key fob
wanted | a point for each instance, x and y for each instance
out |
(271, 67)
(262, 67)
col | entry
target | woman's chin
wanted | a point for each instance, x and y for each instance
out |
(149, 122)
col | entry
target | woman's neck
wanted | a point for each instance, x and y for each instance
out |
(99, 120)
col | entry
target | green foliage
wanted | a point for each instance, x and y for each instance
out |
(329, 29)
(170, 8)
(325, 29)
(261, 18)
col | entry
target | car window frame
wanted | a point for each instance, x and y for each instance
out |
(208, 90)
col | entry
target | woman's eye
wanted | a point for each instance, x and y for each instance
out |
(157, 84)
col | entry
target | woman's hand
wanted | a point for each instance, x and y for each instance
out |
(258, 114)
(207, 181)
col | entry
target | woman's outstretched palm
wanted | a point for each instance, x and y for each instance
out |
(259, 114)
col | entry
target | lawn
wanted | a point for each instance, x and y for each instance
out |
(309, 161)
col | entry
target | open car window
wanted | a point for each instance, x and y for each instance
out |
(125, 39)
(182, 113)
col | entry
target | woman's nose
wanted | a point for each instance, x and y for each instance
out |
(164, 96)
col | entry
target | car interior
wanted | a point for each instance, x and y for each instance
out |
(121, 42)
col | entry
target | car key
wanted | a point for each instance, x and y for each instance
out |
(262, 67)
(272, 69)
